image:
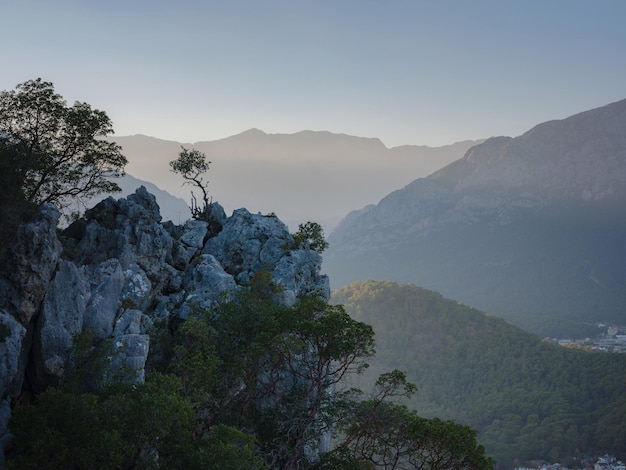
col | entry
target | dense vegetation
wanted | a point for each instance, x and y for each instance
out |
(51, 152)
(247, 385)
(527, 398)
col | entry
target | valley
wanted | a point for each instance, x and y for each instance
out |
(527, 398)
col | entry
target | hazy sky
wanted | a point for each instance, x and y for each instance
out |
(409, 72)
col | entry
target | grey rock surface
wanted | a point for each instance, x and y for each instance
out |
(31, 260)
(117, 272)
(11, 337)
(61, 317)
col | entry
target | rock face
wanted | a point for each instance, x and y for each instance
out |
(118, 270)
(519, 227)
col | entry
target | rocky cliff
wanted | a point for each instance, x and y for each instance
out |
(525, 226)
(117, 271)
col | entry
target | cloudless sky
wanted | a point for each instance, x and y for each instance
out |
(425, 72)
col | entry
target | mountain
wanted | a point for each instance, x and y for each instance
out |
(530, 228)
(308, 175)
(527, 398)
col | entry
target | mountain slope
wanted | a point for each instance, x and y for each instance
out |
(528, 399)
(308, 175)
(527, 228)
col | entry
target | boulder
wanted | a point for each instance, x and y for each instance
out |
(298, 272)
(205, 283)
(249, 243)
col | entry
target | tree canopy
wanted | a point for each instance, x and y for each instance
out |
(527, 399)
(310, 236)
(54, 152)
(246, 385)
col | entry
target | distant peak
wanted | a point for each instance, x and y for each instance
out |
(252, 132)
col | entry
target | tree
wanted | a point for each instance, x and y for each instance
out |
(279, 366)
(310, 236)
(388, 435)
(192, 165)
(56, 152)
(123, 425)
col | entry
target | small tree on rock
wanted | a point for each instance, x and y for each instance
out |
(192, 165)
(310, 236)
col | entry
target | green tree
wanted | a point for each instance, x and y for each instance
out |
(192, 165)
(279, 366)
(145, 425)
(56, 152)
(310, 235)
(379, 433)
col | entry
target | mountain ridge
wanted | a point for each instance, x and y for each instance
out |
(479, 229)
(309, 175)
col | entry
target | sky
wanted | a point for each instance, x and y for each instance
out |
(419, 72)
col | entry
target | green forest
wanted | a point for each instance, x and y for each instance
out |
(246, 385)
(527, 398)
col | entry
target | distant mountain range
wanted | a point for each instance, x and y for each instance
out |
(531, 228)
(308, 175)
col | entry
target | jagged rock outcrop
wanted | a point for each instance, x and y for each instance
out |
(117, 271)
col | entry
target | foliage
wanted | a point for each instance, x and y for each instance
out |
(527, 399)
(263, 285)
(246, 385)
(55, 153)
(14, 209)
(310, 235)
(284, 362)
(227, 448)
(194, 360)
(392, 437)
(122, 426)
(88, 363)
(379, 433)
(192, 165)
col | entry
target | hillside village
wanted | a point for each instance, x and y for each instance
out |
(605, 462)
(613, 340)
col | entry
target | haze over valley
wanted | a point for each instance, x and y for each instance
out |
(530, 228)
(308, 175)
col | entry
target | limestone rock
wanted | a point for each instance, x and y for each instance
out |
(298, 272)
(129, 356)
(121, 271)
(13, 356)
(30, 263)
(61, 318)
(249, 243)
(11, 337)
(205, 283)
(107, 283)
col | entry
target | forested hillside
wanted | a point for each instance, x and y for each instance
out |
(527, 398)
